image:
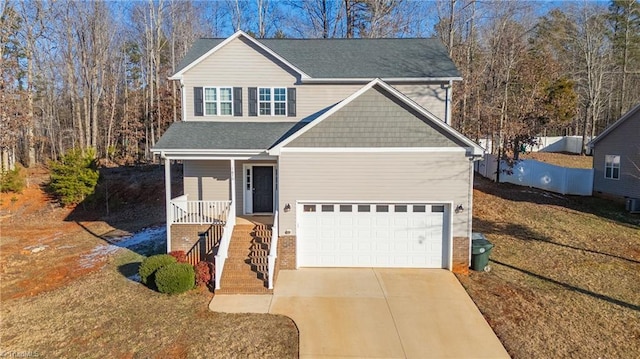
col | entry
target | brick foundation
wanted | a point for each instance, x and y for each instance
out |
(460, 258)
(287, 252)
(188, 238)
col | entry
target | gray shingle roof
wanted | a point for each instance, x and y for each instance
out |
(203, 135)
(354, 58)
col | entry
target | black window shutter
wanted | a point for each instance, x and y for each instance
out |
(253, 101)
(291, 102)
(198, 108)
(237, 101)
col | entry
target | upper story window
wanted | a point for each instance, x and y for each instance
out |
(612, 166)
(218, 101)
(227, 101)
(272, 101)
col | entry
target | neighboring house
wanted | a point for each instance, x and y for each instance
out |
(616, 157)
(342, 143)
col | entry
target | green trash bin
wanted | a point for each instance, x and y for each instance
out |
(480, 251)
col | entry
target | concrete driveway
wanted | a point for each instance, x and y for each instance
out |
(376, 313)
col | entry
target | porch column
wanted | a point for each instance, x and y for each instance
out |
(167, 190)
(232, 211)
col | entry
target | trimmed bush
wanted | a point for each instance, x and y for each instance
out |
(12, 181)
(150, 266)
(175, 278)
(203, 273)
(180, 256)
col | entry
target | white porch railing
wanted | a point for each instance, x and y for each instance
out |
(198, 212)
(273, 251)
(223, 249)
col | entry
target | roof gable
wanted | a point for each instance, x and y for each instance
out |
(196, 54)
(376, 119)
(418, 59)
(630, 114)
(413, 117)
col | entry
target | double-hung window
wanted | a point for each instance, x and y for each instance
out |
(612, 167)
(218, 101)
(272, 101)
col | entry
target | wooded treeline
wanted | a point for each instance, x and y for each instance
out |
(94, 74)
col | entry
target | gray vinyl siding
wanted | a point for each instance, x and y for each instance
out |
(418, 177)
(374, 119)
(206, 180)
(242, 64)
(430, 97)
(625, 142)
(209, 180)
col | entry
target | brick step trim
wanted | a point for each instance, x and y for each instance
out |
(255, 283)
(246, 266)
(244, 274)
(242, 291)
(241, 267)
(244, 288)
(251, 254)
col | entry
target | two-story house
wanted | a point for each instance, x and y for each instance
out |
(318, 153)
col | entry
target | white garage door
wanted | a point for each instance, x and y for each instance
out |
(372, 235)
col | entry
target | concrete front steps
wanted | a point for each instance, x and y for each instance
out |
(246, 267)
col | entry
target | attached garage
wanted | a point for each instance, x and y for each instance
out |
(400, 235)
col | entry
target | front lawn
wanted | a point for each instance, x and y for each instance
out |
(107, 315)
(65, 290)
(565, 279)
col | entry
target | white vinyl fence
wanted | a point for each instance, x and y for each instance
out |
(571, 144)
(531, 173)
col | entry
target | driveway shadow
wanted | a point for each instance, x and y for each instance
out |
(572, 287)
(524, 233)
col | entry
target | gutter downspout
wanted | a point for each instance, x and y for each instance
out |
(448, 87)
(183, 94)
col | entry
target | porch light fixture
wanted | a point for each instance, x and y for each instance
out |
(287, 207)
(459, 208)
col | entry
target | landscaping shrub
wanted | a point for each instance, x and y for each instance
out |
(74, 177)
(180, 256)
(175, 278)
(12, 181)
(203, 273)
(150, 266)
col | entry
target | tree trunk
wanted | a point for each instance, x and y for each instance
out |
(30, 150)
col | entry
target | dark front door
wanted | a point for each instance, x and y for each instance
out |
(262, 189)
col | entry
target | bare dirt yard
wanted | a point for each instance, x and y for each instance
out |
(565, 273)
(66, 291)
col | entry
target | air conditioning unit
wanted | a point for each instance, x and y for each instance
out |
(633, 205)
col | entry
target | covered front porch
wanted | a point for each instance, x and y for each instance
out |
(228, 174)
(219, 196)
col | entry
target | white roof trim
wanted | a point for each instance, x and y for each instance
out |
(225, 152)
(237, 34)
(622, 119)
(221, 158)
(475, 148)
(374, 149)
(386, 79)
